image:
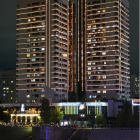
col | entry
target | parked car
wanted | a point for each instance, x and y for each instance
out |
(19, 125)
(28, 125)
(11, 125)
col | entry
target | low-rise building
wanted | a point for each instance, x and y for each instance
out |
(134, 86)
(8, 86)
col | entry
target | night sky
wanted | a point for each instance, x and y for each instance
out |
(8, 35)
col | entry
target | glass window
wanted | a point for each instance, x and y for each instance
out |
(33, 59)
(104, 91)
(28, 54)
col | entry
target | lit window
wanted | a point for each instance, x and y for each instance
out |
(94, 54)
(103, 30)
(93, 30)
(7, 88)
(28, 54)
(89, 40)
(104, 86)
(103, 10)
(3, 88)
(28, 50)
(89, 68)
(11, 81)
(28, 75)
(89, 63)
(29, 20)
(103, 38)
(89, 35)
(11, 98)
(43, 69)
(33, 101)
(28, 40)
(93, 26)
(103, 53)
(43, 28)
(98, 77)
(94, 44)
(32, 80)
(33, 59)
(34, 54)
(43, 23)
(34, 19)
(3, 94)
(89, 73)
(27, 96)
(3, 81)
(11, 91)
(93, 39)
(104, 77)
(42, 49)
(104, 91)
(43, 38)
(42, 95)
(98, 11)
(89, 77)
(104, 62)
(42, 90)
(98, 91)
(89, 26)
(34, 50)
(99, 67)
(64, 55)
(93, 21)
(93, 63)
(34, 39)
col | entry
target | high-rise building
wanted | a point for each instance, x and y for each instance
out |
(107, 47)
(63, 48)
(134, 86)
(8, 86)
(44, 48)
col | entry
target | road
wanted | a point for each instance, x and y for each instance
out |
(79, 134)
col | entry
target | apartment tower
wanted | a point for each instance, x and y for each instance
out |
(45, 50)
(107, 49)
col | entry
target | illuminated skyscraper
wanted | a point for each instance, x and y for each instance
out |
(43, 34)
(107, 46)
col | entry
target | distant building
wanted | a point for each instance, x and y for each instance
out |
(134, 86)
(8, 86)
(107, 46)
(45, 58)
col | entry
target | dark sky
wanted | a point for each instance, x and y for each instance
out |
(8, 35)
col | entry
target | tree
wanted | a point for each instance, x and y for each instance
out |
(125, 118)
(100, 120)
(45, 111)
(6, 117)
(56, 114)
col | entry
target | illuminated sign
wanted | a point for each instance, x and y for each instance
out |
(82, 106)
(22, 108)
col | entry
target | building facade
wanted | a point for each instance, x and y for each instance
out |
(8, 86)
(107, 47)
(45, 58)
(76, 111)
(134, 86)
(81, 50)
